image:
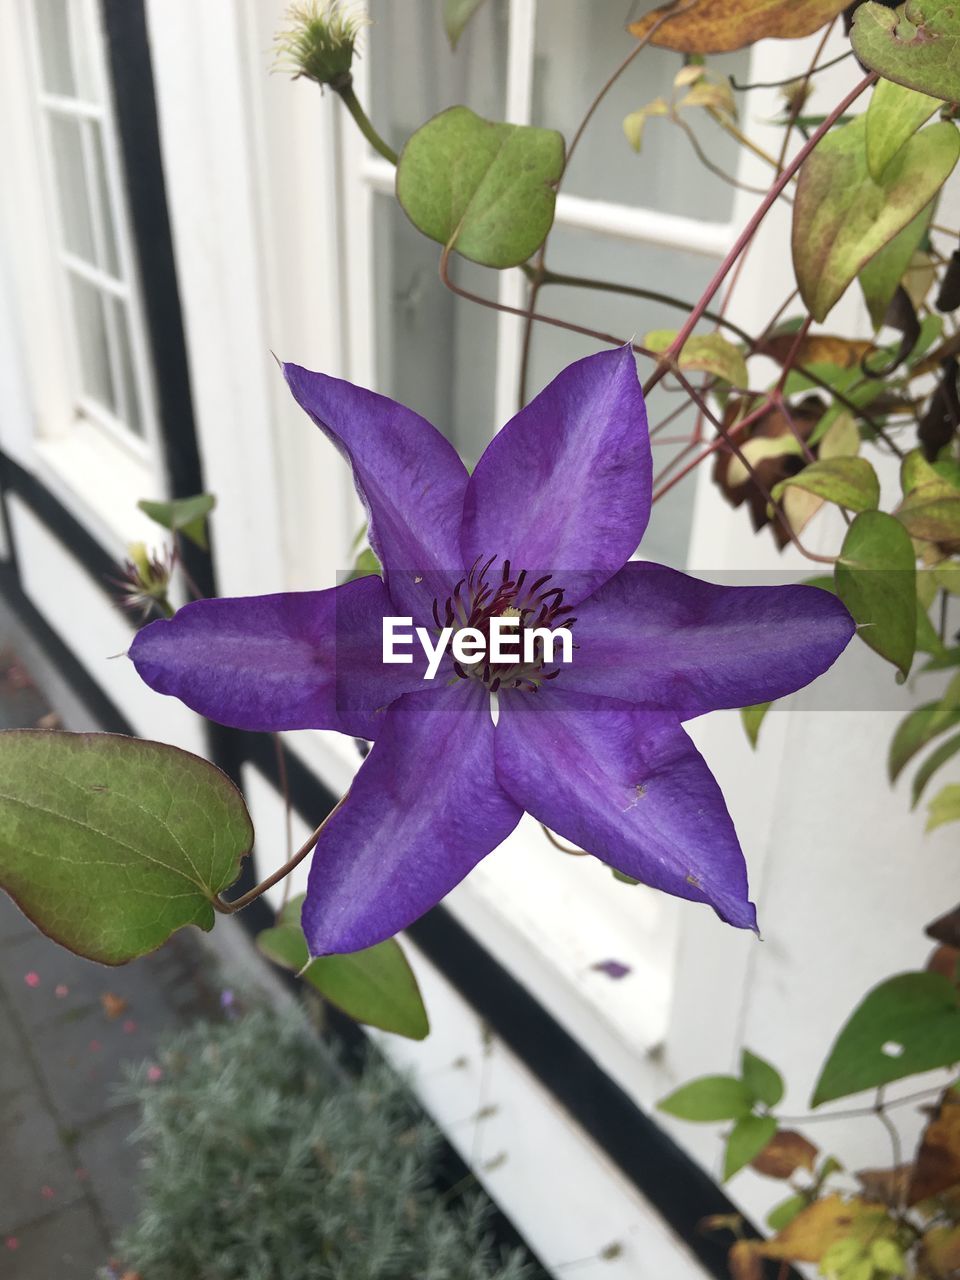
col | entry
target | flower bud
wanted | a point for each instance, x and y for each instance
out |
(320, 41)
(146, 579)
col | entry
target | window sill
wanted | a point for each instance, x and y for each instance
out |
(100, 483)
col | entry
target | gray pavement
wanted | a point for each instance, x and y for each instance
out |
(68, 1172)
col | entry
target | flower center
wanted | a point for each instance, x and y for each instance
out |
(487, 593)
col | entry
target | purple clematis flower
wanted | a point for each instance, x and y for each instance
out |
(543, 529)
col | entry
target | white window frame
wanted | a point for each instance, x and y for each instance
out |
(90, 460)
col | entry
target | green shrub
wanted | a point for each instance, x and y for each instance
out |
(263, 1161)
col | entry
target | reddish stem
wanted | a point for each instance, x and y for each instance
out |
(671, 354)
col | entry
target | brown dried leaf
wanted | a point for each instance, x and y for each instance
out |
(719, 26)
(937, 1165)
(885, 1186)
(771, 464)
(785, 1153)
(944, 960)
(946, 928)
(816, 348)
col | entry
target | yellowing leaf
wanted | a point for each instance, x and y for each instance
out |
(849, 482)
(817, 1228)
(816, 348)
(944, 807)
(635, 122)
(931, 512)
(940, 1252)
(915, 471)
(842, 217)
(842, 438)
(755, 450)
(894, 115)
(706, 353)
(719, 26)
(711, 94)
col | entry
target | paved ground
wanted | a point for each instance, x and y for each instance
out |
(68, 1172)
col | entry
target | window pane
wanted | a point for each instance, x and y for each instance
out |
(683, 275)
(91, 328)
(109, 259)
(577, 48)
(131, 398)
(415, 74)
(435, 352)
(53, 37)
(72, 191)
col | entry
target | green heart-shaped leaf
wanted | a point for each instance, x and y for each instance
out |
(486, 189)
(918, 44)
(842, 217)
(183, 515)
(906, 1025)
(876, 579)
(110, 844)
(375, 986)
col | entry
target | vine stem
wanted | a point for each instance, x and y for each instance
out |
(854, 1113)
(528, 314)
(230, 908)
(670, 355)
(350, 100)
(652, 295)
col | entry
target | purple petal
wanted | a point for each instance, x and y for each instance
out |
(423, 810)
(655, 636)
(628, 786)
(410, 479)
(304, 660)
(565, 486)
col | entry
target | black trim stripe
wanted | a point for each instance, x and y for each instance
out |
(131, 75)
